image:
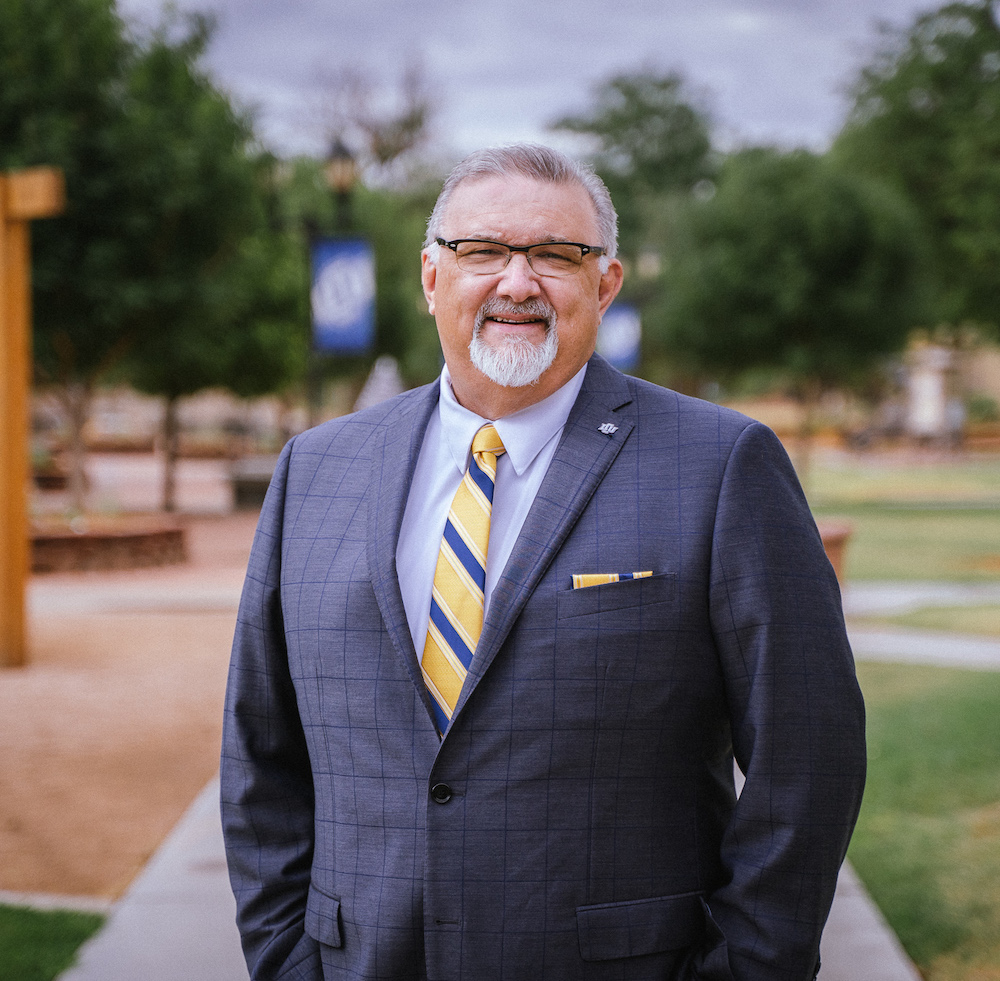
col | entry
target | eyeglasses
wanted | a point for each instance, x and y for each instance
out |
(477, 255)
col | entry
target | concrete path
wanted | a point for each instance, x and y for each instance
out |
(920, 646)
(176, 921)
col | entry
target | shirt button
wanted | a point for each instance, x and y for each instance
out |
(440, 793)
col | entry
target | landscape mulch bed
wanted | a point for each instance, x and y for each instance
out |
(113, 727)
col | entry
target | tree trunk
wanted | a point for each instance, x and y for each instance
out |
(170, 440)
(75, 397)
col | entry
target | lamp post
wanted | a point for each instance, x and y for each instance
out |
(341, 172)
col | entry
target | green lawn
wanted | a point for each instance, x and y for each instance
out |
(885, 479)
(935, 519)
(951, 545)
(927, 843)
(37, 945)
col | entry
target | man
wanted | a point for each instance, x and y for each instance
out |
(415, 789)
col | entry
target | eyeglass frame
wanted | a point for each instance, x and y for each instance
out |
(597, 250)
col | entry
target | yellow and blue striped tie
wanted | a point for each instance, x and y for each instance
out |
(456, 619)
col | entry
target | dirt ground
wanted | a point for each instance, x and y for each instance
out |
(114, 726)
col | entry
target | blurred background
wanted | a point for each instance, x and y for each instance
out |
(809, 198)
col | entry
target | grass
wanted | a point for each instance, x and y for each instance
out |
(904, 479)
(927, 843)
(37, 945)
(952, 545)
(914, 518)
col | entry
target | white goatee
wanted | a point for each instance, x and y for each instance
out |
(515, 361)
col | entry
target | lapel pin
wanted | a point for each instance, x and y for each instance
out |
(608, 428)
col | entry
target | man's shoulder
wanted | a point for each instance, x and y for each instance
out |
(410, 408)
(654, 404)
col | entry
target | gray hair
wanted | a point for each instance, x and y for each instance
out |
(541, 163)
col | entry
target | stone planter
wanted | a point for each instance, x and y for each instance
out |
(87, 544)
(835, 534)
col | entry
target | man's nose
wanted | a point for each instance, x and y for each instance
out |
(518, 280)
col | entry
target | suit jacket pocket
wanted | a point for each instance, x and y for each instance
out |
(323, 918)
(609, 931)
(621, 604)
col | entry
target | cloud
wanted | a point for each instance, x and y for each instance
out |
(775, 71)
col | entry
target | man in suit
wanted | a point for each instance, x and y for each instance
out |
(547, 791)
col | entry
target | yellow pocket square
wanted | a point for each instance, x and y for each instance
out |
(583, 579)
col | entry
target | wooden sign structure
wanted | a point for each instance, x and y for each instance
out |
(37, 192)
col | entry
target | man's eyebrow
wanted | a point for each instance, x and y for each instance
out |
(500, 240)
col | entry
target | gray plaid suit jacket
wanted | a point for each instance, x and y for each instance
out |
(579, 819)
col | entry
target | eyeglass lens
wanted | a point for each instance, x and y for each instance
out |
(551, 259)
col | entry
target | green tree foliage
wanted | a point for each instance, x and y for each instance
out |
(222, 310)
(926, 117)
(61, 64)
(791, 266)
(652, 143)
(197, 188)
(163, 267)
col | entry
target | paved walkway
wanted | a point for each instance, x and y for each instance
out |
(176, 921)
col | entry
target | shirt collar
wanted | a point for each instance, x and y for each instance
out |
(523, 433)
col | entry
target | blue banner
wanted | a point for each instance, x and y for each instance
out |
(619, 335)
(342, 295)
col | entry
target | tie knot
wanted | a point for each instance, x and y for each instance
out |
(487, 440)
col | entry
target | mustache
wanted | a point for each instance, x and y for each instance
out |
(495, 306)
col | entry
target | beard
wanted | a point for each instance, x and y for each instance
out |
(515, 361)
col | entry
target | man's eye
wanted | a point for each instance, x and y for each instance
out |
(557, 258)
(484, 252)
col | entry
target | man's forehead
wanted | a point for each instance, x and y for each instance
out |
(493, 205)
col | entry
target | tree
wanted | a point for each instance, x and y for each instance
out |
(61, 62)
(926, 118)
(148, 268)
(388, 125)
(795, 267)
(222, 310)
(652, 142)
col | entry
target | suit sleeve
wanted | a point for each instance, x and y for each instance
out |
(267, 790)
(797, 718)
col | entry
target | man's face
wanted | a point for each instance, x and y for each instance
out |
(517, 307)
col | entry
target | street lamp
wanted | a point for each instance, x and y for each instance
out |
(341, 172)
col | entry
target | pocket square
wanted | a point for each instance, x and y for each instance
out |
(583, 579)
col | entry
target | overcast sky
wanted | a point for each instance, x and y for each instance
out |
(768, 71)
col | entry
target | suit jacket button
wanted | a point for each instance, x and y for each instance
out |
(440, 793)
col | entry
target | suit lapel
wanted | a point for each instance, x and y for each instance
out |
(394, 457)
(584, 455)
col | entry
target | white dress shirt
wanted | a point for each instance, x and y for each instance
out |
(529, 436)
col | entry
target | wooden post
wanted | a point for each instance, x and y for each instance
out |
(24, 195)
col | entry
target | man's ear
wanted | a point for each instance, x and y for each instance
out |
(611, 283)
(428, 279)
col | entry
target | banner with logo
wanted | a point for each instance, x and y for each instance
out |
(342, 296)
(619, 336)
